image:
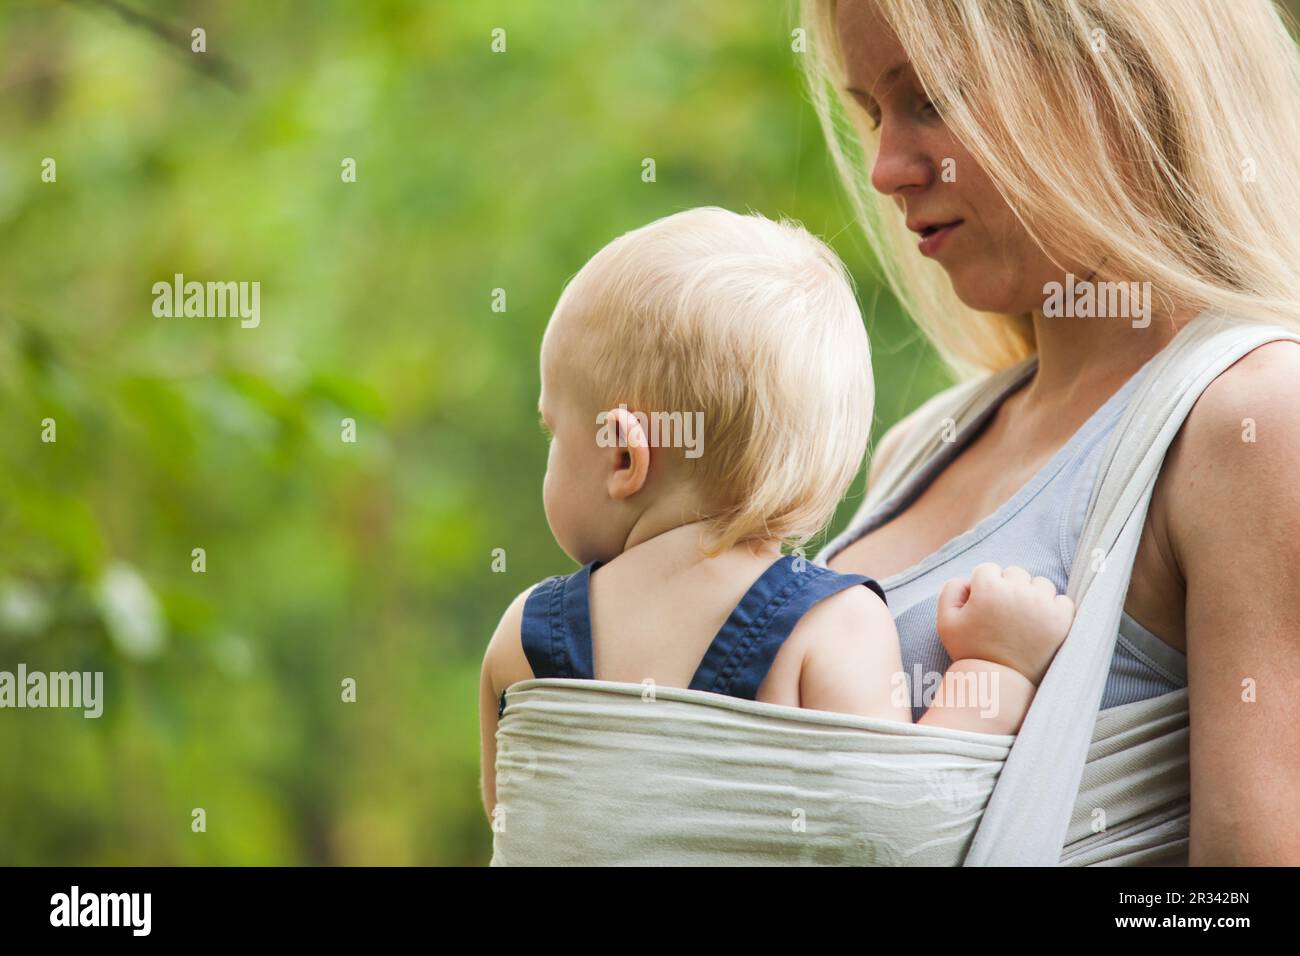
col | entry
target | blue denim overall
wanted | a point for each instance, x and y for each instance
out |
(556, 628)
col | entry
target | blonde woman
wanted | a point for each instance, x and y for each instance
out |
(1023, 167)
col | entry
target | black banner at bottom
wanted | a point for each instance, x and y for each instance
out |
(333, 906)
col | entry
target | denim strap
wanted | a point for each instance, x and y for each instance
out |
(743, 651)
(556, 629)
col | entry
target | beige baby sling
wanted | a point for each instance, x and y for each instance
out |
(604, 773)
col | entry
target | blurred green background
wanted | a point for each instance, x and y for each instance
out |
(324, 559)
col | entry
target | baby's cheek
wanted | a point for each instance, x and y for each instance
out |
(562, 504)
(552, 500)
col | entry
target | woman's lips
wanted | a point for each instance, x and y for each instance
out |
(934, 239)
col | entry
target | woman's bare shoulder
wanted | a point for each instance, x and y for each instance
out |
(1240, 444)
(1259, 388)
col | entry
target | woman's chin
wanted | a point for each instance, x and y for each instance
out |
(976, 294)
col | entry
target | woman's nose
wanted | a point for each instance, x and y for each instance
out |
(899, 164)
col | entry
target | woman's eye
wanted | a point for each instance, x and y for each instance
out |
(868, 106)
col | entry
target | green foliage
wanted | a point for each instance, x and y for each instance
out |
(324, 559)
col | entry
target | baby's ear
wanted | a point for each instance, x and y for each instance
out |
(631, 454)
(628, 427)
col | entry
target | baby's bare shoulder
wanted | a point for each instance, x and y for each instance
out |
(848, 656)
(504, 661)
(848, 617)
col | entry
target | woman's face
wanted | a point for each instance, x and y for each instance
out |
(960, 219)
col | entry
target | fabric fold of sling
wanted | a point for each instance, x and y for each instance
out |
(604, 773)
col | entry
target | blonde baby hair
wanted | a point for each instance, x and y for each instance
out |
(752, 322)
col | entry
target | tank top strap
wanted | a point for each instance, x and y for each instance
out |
(744, 648)
(556, 628)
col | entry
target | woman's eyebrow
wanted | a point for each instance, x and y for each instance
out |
(887, 77)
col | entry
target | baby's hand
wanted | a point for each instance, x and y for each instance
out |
(1004, 617)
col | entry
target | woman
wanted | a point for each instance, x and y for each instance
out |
(1046, 151)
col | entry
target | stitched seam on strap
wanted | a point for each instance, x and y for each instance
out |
(744, 646)
(556, 627)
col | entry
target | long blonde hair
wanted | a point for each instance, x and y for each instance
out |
(1161, 138)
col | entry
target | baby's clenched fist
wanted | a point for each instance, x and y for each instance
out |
(1004, 616)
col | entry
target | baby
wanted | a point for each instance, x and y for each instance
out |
(706, 385)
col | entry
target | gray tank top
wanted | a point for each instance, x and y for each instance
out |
(1037, 529)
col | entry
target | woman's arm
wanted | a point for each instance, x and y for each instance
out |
(1234, 528)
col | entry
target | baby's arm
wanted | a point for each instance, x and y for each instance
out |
(504, 663)
(1001, 628)
(850, 658)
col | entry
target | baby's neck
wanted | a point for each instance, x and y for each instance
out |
(679, 548)
(671, 510)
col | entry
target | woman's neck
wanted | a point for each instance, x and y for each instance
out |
(1082, 361)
